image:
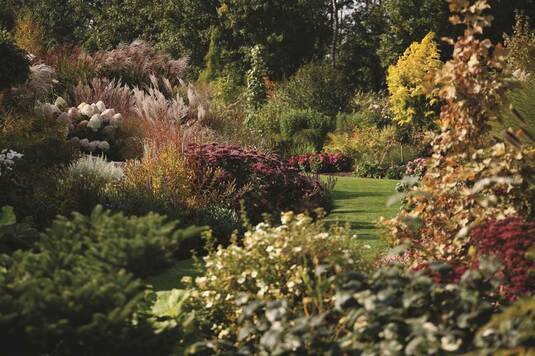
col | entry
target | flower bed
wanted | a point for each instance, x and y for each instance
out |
(324, 162)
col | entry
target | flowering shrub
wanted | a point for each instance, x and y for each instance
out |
(294, 261)
(509, 240)
(7, 160)
(322, 162)
(389, 312)
(264, 182)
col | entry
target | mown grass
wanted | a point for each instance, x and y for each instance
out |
(360, 202)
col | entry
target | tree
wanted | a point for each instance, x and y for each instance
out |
(292, 32)
(408, 21)
(406, 83)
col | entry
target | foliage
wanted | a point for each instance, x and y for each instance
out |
(521, 45)
(15, 66)
(509, 240)
(15, 235)
(373, 108)
(322, 162)
(390, 312)
(73, 295)
(407, 21)
(408, 101)
(319, 87)
(263, 181)
(305, 127)
(256, 92)
(29, 35)
(510, 331)
(158, 182)
(290, 32)
(213, 58)
(466, 183)
(294, 261)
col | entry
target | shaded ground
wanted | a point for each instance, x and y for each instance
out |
(357, 201)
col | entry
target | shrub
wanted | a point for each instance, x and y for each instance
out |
(13, 63)
(263, 181)
(390, 312)
(466, 181)
(322, 162)
(509, 240)
(406, 84)
(294, 261)
(141, 245)
(521, 45)
(509, 332)
(134, 63)
(373, 108)
(15, 235)
(319, 87)
(84, 184)
(29, 34)
(305, 126)
(158, 182)
(73, 295)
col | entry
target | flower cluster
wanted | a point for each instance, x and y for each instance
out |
(415, 168)
(324, 162)
(510, 240)
(293, 261)
(90, 126)
(7, 160)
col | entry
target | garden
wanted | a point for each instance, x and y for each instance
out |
(267, 177)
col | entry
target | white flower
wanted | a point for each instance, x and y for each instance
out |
(103, 145)
(86, 109)
(50, 111)
(116, 120)
(95, 123)
(74, 113)
(100, 106)
(107, 115)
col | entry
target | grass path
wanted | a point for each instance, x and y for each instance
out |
(357, 201)
(361, 202)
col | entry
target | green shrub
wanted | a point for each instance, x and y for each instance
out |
(141, 245)
(294, 261)
(15, 235)
(14, 66)
(76, 294)
(319, 87)
(306, 127)
(391, 312)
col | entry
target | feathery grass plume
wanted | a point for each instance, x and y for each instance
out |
(136, 62)
(152, 104)
(111, 92)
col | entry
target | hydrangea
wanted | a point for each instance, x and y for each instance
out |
(7, 160)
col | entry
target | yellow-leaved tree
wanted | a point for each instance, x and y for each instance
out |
(409, 101)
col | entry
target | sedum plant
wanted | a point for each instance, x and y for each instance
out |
(294, 261)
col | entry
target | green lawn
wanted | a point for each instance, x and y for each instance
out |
(361, 202)
(357, 201)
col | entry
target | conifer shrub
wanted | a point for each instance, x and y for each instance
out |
(409, 102)
(14, 66)
(75, 292)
